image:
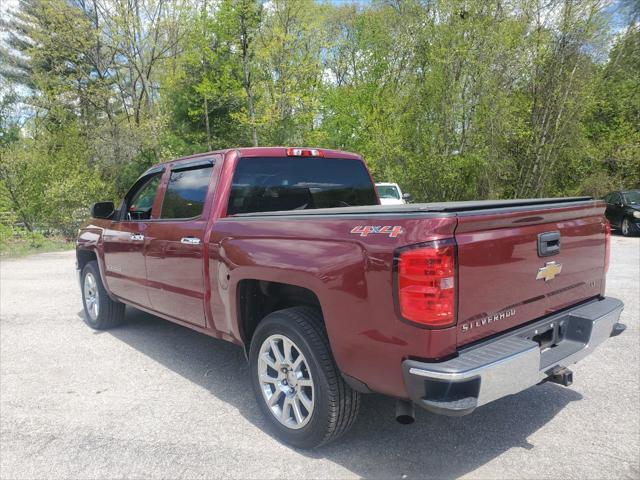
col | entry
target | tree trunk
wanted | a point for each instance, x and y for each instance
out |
(252, 115)
(246, 80)
(206, 122)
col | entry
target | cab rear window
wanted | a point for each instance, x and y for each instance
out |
(281, 183)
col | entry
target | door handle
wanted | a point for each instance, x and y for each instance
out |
(190, 240)
(138, 237)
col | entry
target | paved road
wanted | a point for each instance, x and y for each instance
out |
(152, 399)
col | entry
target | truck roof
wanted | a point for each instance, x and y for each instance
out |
(263, 152)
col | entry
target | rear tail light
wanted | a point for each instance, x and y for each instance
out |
(304, 152)
(426, 283)
(607, 245)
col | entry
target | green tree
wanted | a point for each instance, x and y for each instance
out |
(613, 124)
(453, 99)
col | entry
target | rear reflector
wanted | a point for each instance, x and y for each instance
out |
(304, 152)
(607, 245)
(426, 283)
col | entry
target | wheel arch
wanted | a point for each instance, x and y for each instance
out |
(255, 299)
(90, 252)
(84, 256)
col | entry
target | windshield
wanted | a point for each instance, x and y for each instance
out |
(388, 191)
(632, 198)
(297, 183)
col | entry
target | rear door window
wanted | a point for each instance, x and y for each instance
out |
(272, 184)
(186, 192)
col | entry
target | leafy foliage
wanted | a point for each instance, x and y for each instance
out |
(454, 100)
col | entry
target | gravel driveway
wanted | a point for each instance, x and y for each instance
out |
(152, 399)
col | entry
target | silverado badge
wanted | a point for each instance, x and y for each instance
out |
(549, 271)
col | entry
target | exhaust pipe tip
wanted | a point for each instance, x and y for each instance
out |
(405, 419)
(405, 412)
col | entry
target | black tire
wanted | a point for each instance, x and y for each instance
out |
(336, 404)
(630, 229)
(110, 313)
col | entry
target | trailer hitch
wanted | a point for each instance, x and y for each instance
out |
(561, 375)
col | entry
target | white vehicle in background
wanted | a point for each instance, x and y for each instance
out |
(390, 194)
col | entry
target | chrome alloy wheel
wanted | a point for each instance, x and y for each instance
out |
(285, 381)
(91, 296)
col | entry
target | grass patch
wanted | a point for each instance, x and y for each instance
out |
(17, 242)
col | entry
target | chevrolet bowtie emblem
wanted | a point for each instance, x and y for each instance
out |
(549, 271)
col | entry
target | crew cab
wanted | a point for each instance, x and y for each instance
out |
(287, 253)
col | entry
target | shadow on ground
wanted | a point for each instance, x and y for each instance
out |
(377, 446)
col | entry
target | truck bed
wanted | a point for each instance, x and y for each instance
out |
(497, 250)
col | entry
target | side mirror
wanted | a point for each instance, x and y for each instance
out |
(102, 210)
(406, 196)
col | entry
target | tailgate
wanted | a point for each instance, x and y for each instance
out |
(500, 281)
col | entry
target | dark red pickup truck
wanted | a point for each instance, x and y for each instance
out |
(287, 253)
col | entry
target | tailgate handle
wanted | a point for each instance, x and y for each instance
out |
(548, 244)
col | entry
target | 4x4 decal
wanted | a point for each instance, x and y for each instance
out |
(391, 230)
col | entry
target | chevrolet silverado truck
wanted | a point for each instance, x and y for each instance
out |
(287, 253)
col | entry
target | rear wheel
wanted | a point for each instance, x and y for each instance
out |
(296, 381)
(285, 381)
(100, 311)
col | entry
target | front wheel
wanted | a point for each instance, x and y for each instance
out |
(100, 311)
(296, 381)
(627, 228)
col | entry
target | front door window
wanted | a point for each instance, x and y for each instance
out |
(141, 199)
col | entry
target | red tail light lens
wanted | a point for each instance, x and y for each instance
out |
(426, 282)
(607, 245)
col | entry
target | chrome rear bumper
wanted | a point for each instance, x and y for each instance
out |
(512, 362)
